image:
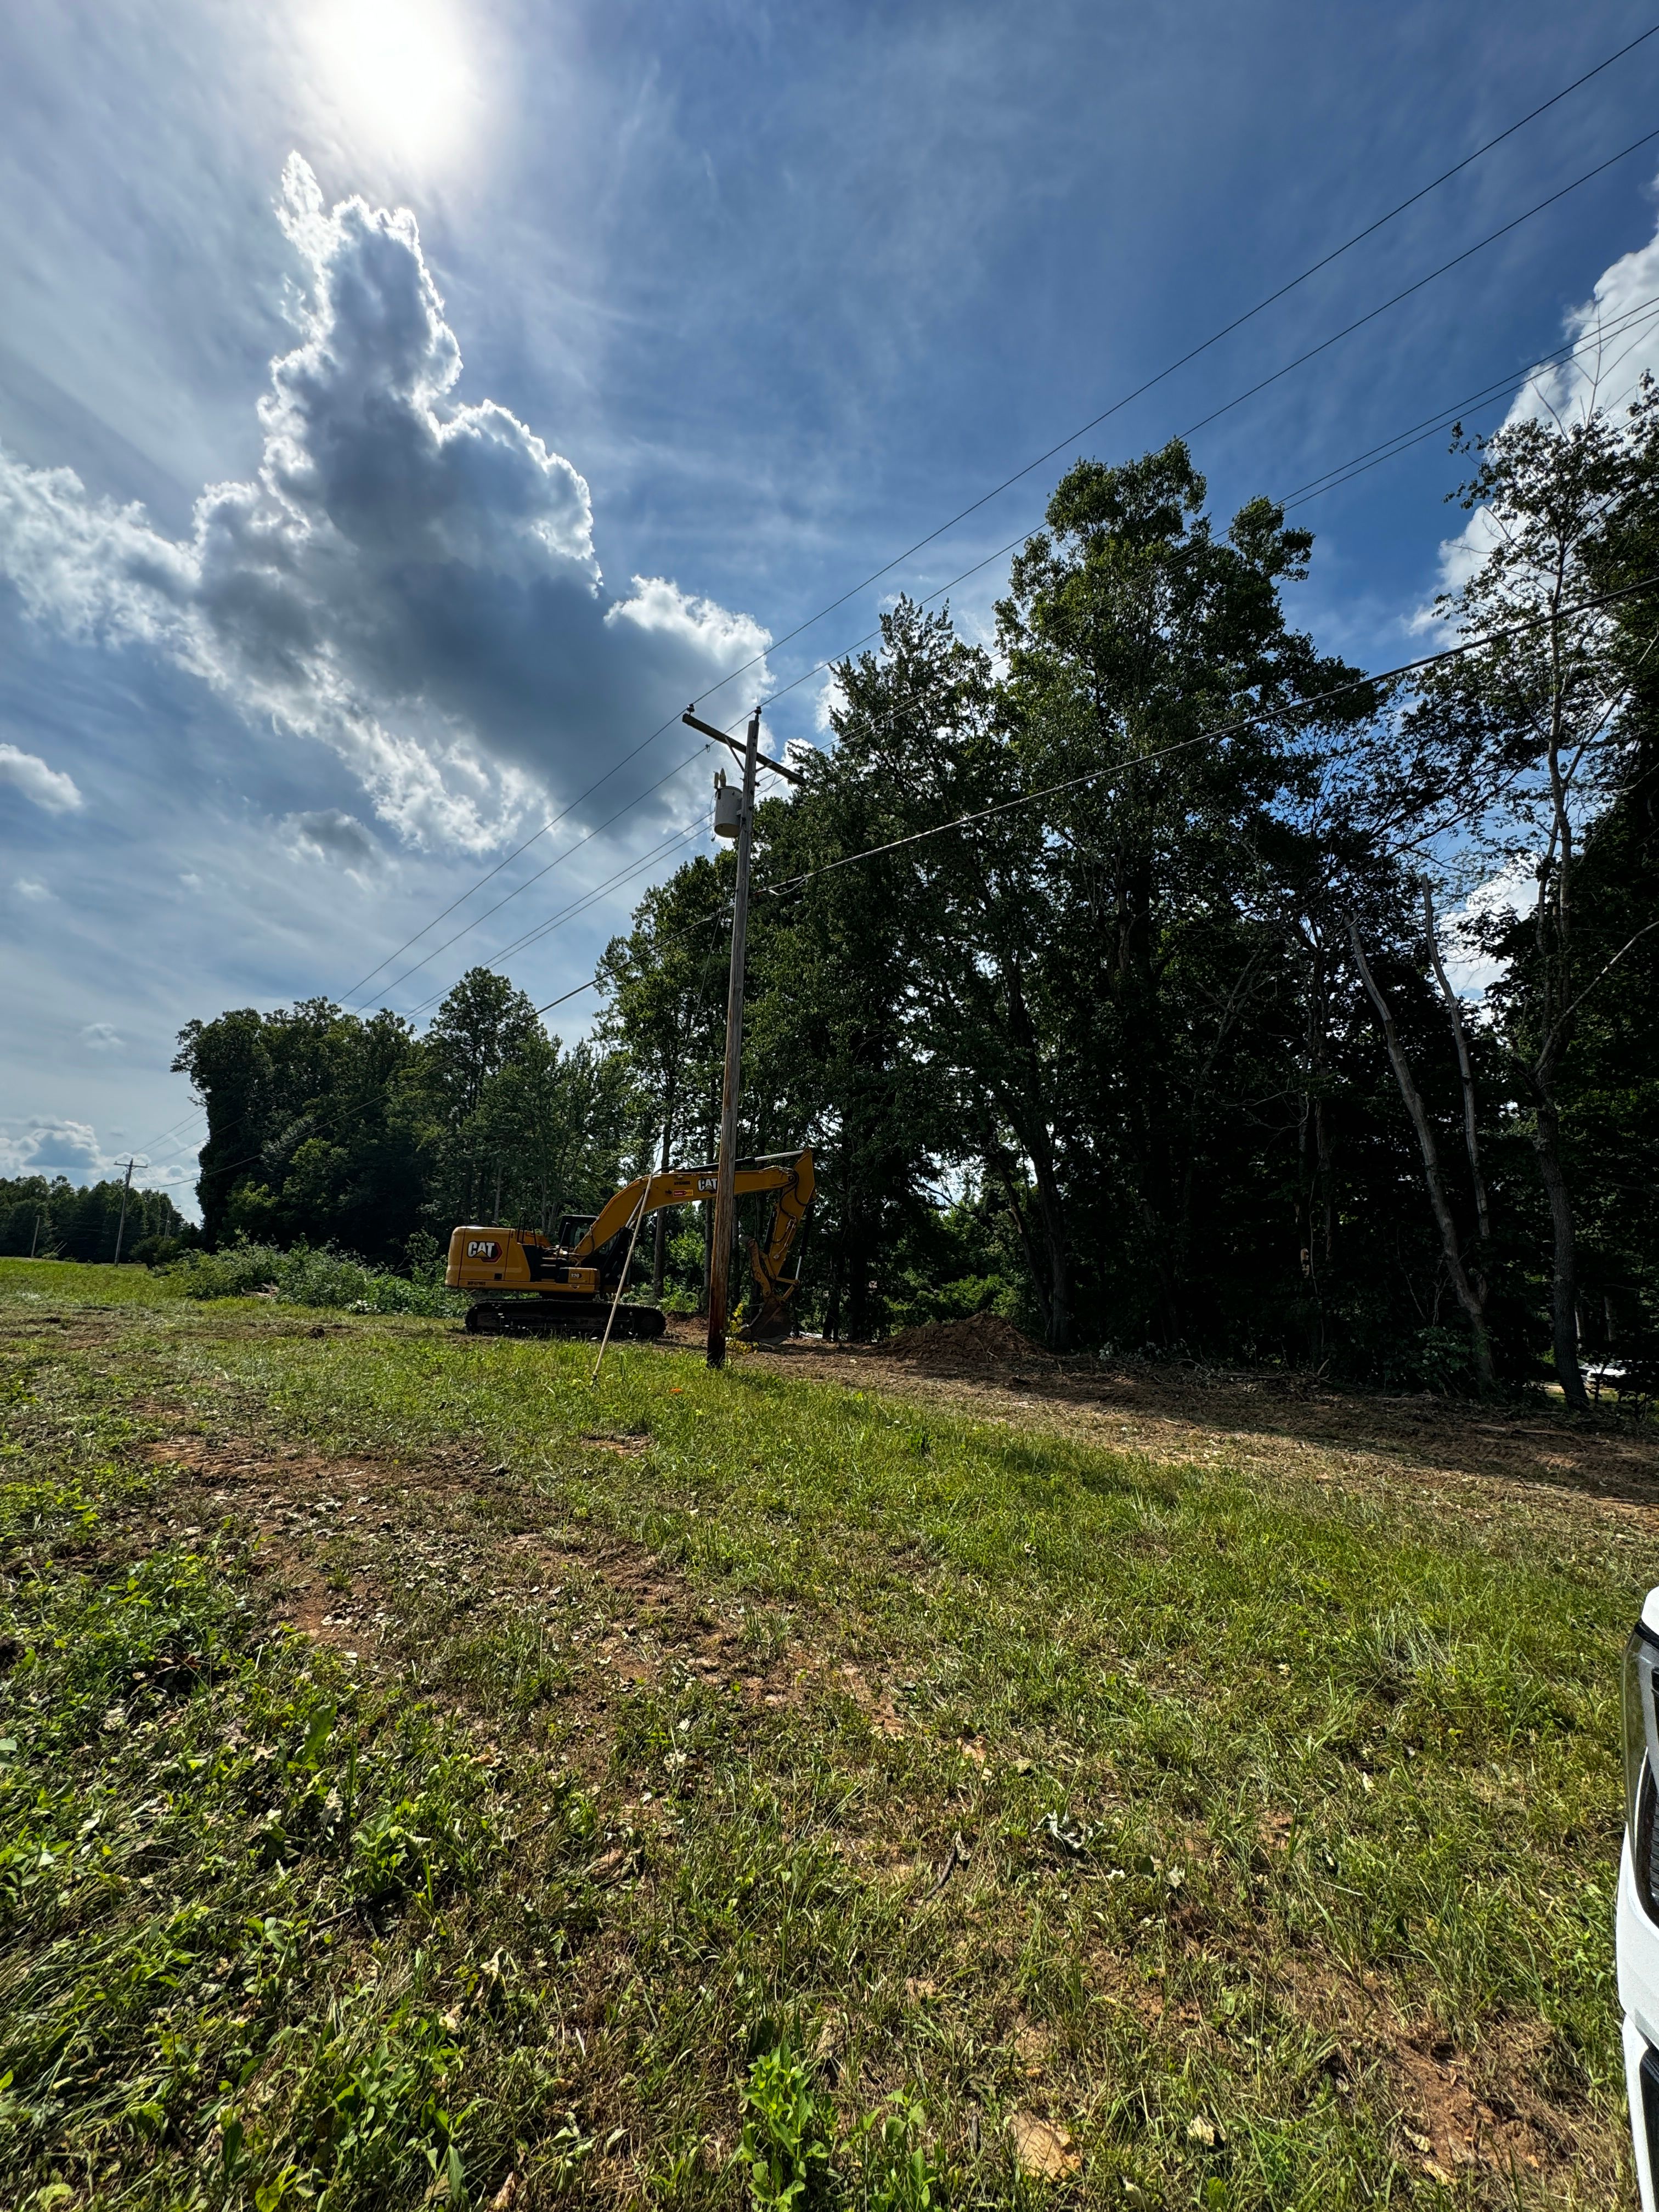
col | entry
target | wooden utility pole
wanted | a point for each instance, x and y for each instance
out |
(122, 1229)
(726, 1165)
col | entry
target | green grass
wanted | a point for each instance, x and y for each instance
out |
(1244, 1830)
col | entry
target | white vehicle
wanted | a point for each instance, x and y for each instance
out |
(1638, 1897)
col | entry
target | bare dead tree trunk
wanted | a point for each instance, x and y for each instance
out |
(999, 1160)
(1465, 1068)
(1472, 1299)
(1564, 1272)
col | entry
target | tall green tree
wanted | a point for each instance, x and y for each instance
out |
(664, 986)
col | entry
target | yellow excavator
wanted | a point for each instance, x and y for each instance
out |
(523, 1283)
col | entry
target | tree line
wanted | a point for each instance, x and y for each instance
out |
(1111, 968)
(50, 1218)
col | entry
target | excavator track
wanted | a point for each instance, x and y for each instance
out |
(573, 1317)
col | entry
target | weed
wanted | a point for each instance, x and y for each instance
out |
(1219, 1840)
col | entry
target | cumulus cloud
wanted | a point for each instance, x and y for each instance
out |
(31, 889)
(410, 579)
(830, 701)
(332, 834)
(48, 1147)
(101, 1037)
(47, 786)
(44, 1146)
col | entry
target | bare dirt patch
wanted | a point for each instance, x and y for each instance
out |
(340, 1544)
(955, 1347)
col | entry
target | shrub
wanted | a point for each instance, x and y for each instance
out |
(308, 1276)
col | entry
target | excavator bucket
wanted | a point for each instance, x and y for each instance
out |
(770, 1324)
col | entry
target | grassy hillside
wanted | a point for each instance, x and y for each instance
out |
(429, 1778)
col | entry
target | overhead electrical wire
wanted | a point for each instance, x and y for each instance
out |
(1558, 357)
(678, 769)
(1237, 323)
(588, 898)
(1194, 353)
(1341, 473)
(1298, 707)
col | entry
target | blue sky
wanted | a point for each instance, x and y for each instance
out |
(405, 407)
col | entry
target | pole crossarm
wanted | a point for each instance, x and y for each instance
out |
(708, 729)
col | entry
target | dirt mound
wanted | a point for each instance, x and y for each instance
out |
(986, 1340)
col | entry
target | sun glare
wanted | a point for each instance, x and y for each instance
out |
(398, 70)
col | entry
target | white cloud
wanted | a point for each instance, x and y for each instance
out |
(1615, 341)
(831, 701)
(48, 1147)
(47, 786)
(1470, 970)
(31, 889)
(191, 880)
(410, 578)
(101, 1037)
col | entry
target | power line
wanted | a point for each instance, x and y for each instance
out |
(1301, 706)
(1359, 323)
(490, 874)
(1226, 330)
(1341, 472)
(1558, 357)
(1456, 261)
(1104, 415)
(678, 767)
(588, 898)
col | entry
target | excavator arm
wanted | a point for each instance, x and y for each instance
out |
(691, 1187)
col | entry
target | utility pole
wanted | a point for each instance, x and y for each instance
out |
(122, 1230)
(726, 1165)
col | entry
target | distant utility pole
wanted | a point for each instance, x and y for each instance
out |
(726, 1164)
(35, 1239)
(122, 1230)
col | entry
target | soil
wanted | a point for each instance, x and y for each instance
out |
(955, 1347)
(336, 1543)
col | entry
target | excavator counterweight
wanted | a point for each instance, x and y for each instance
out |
(522, 1283)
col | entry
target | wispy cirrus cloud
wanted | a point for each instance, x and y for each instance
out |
(410, 579)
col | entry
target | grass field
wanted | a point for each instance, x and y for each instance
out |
(425, 1778)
